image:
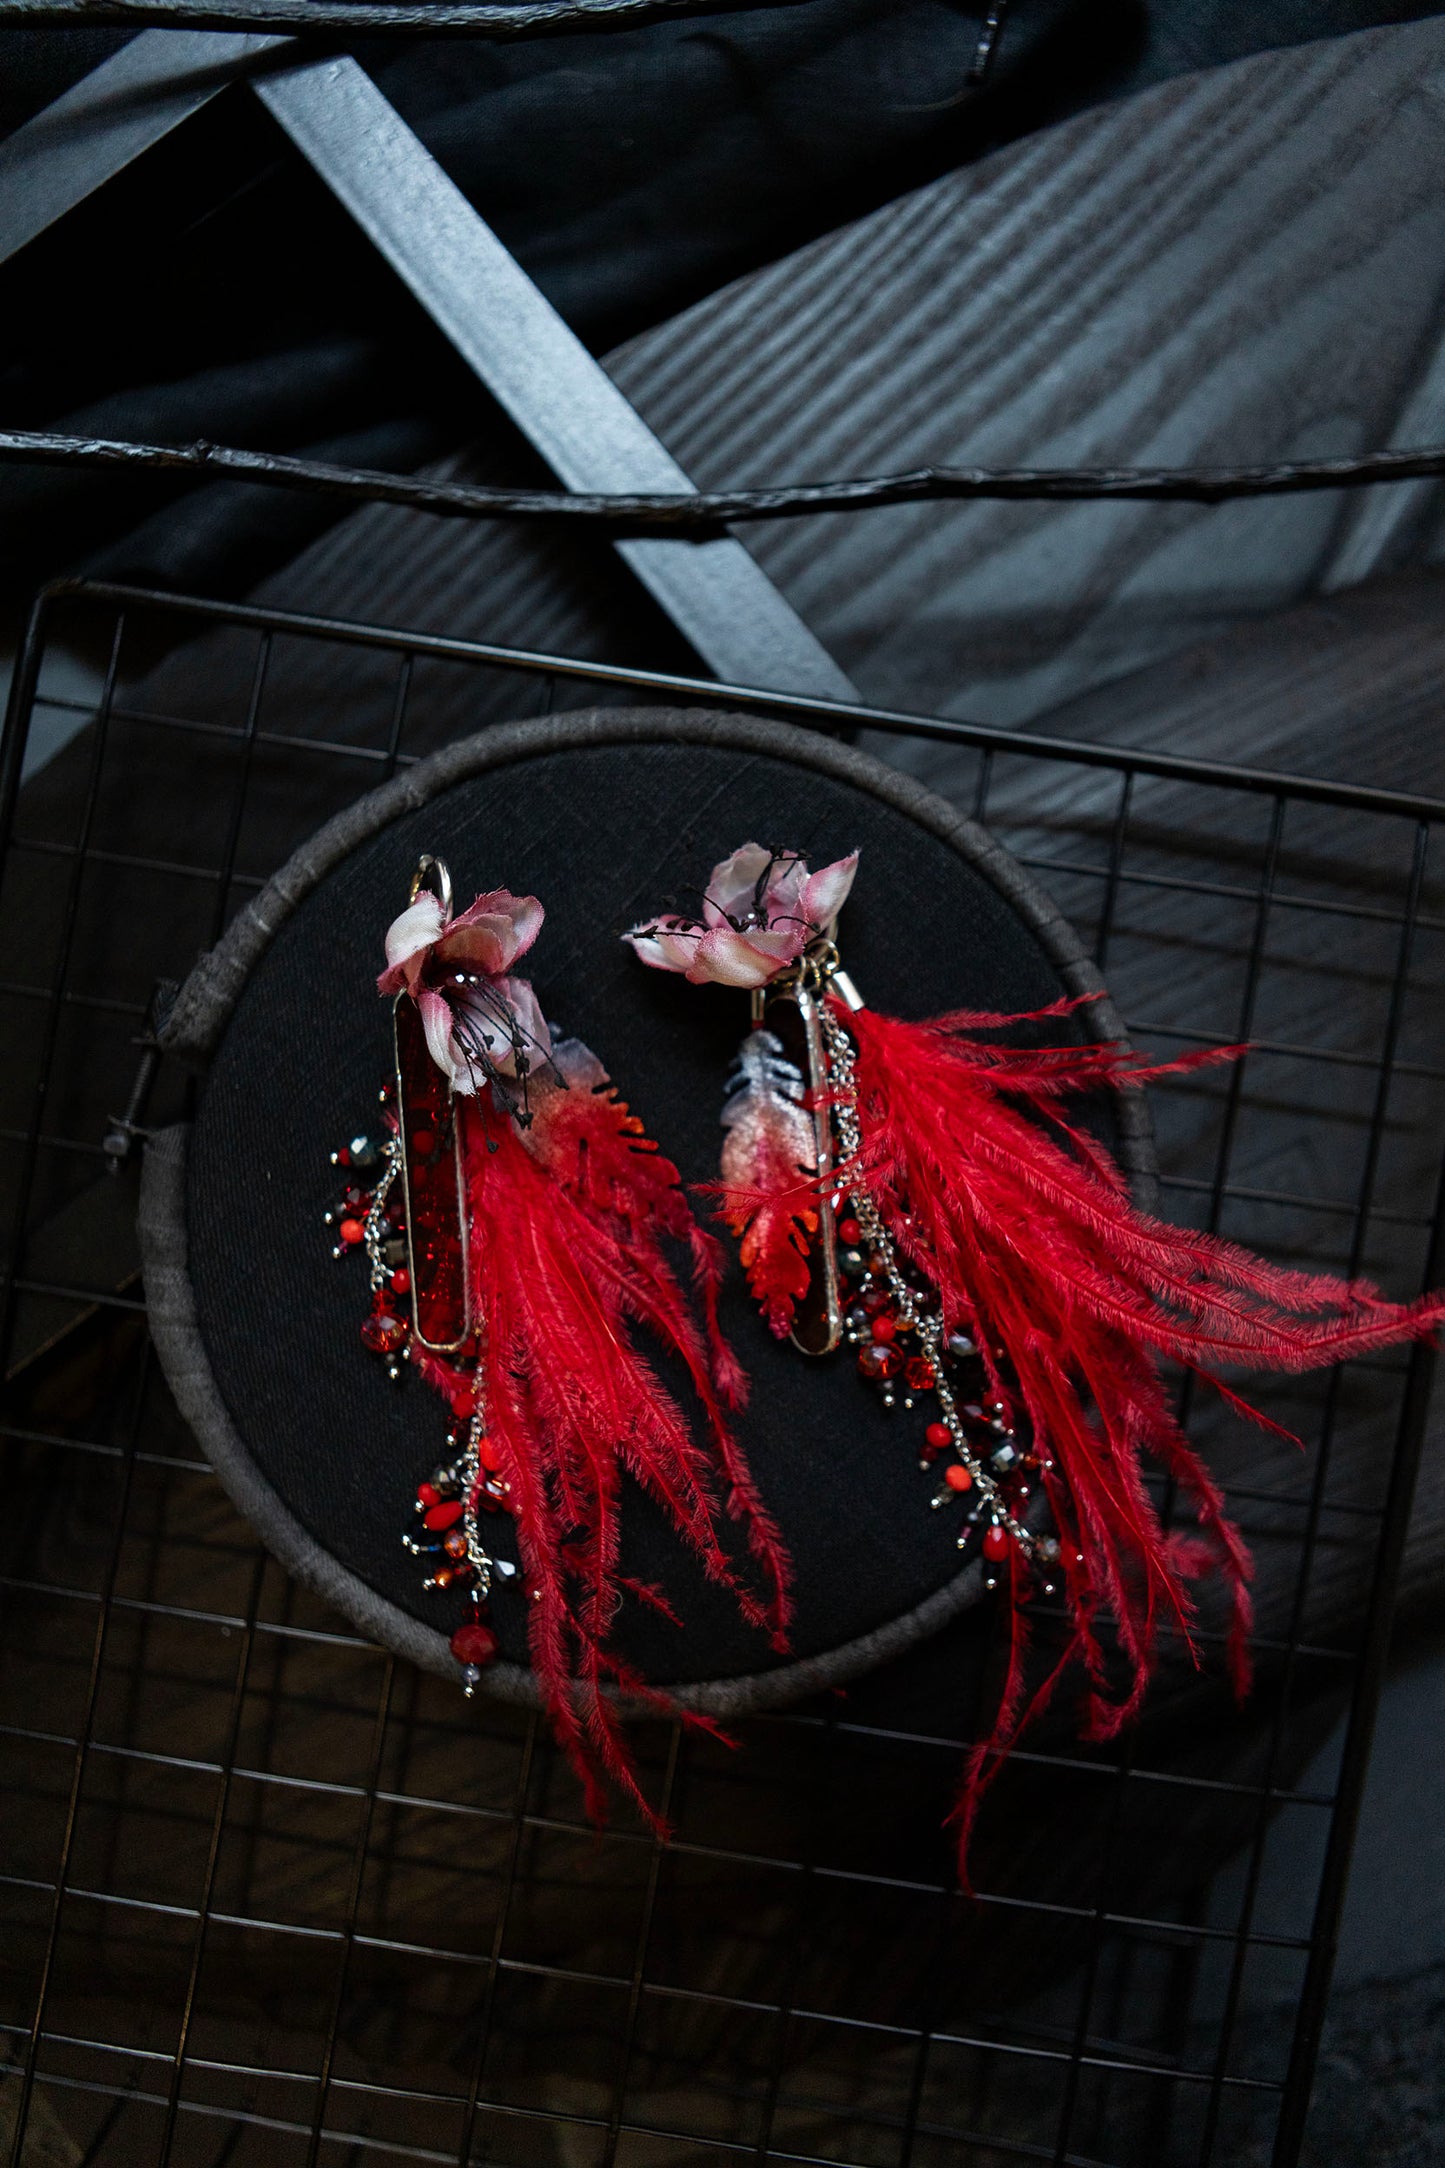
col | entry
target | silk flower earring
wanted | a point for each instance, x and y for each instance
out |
(920, 1191)
(513, 1216)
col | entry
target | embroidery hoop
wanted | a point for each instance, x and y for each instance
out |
(213, 997)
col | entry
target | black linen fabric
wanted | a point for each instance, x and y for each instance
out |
(603, 833)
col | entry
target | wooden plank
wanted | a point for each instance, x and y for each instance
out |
(109, 119)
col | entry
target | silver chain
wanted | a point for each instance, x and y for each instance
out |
(376, 1213)
(926, 1323)
(470, 1469)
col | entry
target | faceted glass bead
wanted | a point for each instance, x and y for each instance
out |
(879, 1363)
(474, 1643)
(919, 1373)
(382, 1332)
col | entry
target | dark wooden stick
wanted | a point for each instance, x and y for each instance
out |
(369, 18)
(711, 509)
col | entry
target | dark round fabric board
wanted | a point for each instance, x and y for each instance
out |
(606, 816)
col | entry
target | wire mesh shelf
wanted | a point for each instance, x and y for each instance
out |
(272, 1896)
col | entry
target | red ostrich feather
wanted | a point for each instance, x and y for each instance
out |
(768, 1189)
(568, 1219)
(1024, 1225)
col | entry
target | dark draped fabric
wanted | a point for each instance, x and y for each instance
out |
(217, 290)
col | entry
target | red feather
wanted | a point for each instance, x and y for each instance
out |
(1024, 1226)
(589, 1138)
(767, 1177)
(566, 1260)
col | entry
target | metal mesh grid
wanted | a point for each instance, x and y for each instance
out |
(274, 1897)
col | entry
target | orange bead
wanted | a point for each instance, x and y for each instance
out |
(957, 1477)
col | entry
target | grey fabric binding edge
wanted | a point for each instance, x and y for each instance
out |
(202, 1009)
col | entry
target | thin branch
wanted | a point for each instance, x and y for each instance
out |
(495, 19)
(716, 508)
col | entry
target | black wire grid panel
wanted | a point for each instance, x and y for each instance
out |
(274, 1897)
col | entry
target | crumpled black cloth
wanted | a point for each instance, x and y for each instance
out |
(218, 290)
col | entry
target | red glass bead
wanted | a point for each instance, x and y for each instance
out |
(489, 1455)
(427, 1494)
(443, 1577)
(445, 1515)
(849, 1233)
(995, 1544)
(343, 1157)
(401, 1281)
(875, 1300)
(879, 1363)
(351, 1232)
(464, 1400)
(454, 1543)
(474, 1643)
(958, 1478)
(938, 1435)
(919, 1373)
(382, 1332)
(885, 1328)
